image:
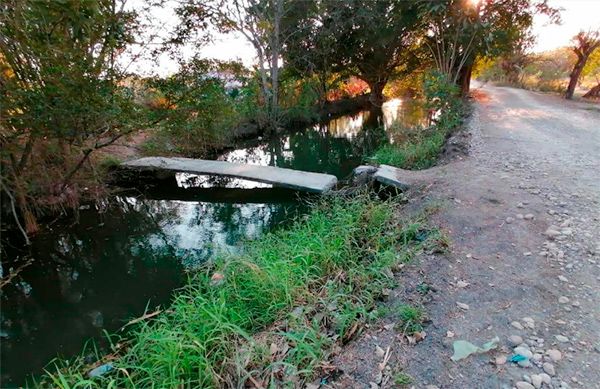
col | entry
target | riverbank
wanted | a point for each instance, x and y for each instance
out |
(280, 311)
(91, 276)
(250, 132)
(276, 313)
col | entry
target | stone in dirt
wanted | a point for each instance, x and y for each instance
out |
(515, 340)
(462, 306)
(552, 232)
(529, 322)
(364, 169)
(561, 338)
(549, 368)
(554, 355)
(546, 378)
(462, 284)
(500, 360)
(524, 385)
(523, 351)
(536, 380)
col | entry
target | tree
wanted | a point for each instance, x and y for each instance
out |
(63, 95)
(459, 31)
(310, 52)
(259, 22)
(592, 69)
(376, 39)
(584, 44)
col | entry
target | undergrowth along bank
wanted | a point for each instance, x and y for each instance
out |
(423, 146)
(273, 314)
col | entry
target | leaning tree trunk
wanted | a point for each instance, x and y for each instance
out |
(574, 77)
(593, 93)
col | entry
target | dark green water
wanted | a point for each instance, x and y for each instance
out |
(94, 272)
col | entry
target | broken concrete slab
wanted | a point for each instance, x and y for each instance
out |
(399, 178)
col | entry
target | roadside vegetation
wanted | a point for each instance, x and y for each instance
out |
(276, 313)
(561, 71)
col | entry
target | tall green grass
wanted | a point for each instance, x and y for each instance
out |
(271, 314)
(418, 152)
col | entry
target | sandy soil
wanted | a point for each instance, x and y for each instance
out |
(523, 214)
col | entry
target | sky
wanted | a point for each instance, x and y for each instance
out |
(576, 15)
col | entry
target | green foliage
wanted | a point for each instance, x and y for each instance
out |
(63, 95)
(194, 109)
(109, 162)
(420, 151)
(422, 147)
(442, 97)
(370, 39)
(325, 272)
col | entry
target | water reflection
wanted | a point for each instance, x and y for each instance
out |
(335, 146)
(96, 274)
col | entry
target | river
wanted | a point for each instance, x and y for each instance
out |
(93, 272)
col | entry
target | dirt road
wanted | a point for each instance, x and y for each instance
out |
(523, 214)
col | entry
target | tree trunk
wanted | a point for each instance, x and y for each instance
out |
(464, 79)
(376, 94)
(574, 77)
(275, 48)
(594, 92)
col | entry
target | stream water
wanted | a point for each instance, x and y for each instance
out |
(94, 272)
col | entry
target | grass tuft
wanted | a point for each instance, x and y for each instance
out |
(411, 318)
(402, 379)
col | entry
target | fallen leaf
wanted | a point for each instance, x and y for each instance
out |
(419, 336)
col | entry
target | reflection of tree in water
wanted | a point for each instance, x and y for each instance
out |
(205, 229)
(85, 278)
(337, 146)
(321, 150)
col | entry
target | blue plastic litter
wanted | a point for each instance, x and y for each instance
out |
(101, 370)
(518, 358)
